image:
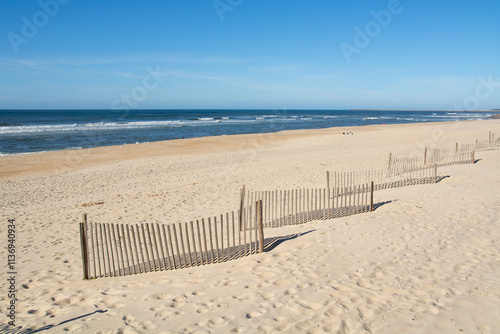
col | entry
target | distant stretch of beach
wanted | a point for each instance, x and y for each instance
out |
(432, 110)
(425, 261)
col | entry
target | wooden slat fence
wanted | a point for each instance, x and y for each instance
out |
(111, 250)
(478, 147)
(399, 166)
(405, 174)
(298, 206)
(460, 154)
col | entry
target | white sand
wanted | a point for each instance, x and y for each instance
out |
(427, 262)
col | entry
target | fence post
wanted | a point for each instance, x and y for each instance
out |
(425, 156)
(472, 157)
(328, 180)
(242, 200)
(390, 163)
(84, 246)
(456, 148)
(260, 226)
(371, 198)
(435, 172)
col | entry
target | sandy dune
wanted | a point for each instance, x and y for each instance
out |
(427, 261)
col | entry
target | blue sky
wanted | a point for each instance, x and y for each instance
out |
(333, 54)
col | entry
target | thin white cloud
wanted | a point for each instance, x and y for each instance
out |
(126, 59)
(280, 69)
(126, 74)
(440, 82)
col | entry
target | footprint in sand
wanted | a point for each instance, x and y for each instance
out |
(126, 330)
(158, 296)
(204, 307)
(278, 305)
(241, 269)
(266, 329)
(365, 313)
(216, 322)
(148, 325)
(302, 325)
(226, 282)
(334, 310)
(129, 319)
(240, 330)
(309, 304)
(254, 314)
(281, 282)
(267, 295)
(71, 328)
(163, 313)
(177, 303)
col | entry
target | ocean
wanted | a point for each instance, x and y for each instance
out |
(27, 131)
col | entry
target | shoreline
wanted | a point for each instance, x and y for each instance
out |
(74, 159)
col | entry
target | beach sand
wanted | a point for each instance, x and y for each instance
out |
(427, 261)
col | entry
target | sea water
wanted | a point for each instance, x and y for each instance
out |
(26, 131)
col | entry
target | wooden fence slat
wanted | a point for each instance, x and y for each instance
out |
(239, 243)
(216, 239)
(137, 249)
(182, 245)
(111, 258)
(175, 264)
(125, 247)
(97, 248)
(277, 213)
(120, 249)
(106, 248)
(84, 247)
(244, 234)
(242, 202)
(162, 262)
(133, 259)
(199, 238)
(150, 246)
(193, 239)
(141, 250)
(234, 235)
(371, 197)
(228, 257)
(93, 249)
(111, 242)
(167, 251)
(256, 228)
(260, 224)
(289, 209)
(211, 240)
(282, 208)
(146, 248)
(176, 241)
(102, 254)
(155, 244)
